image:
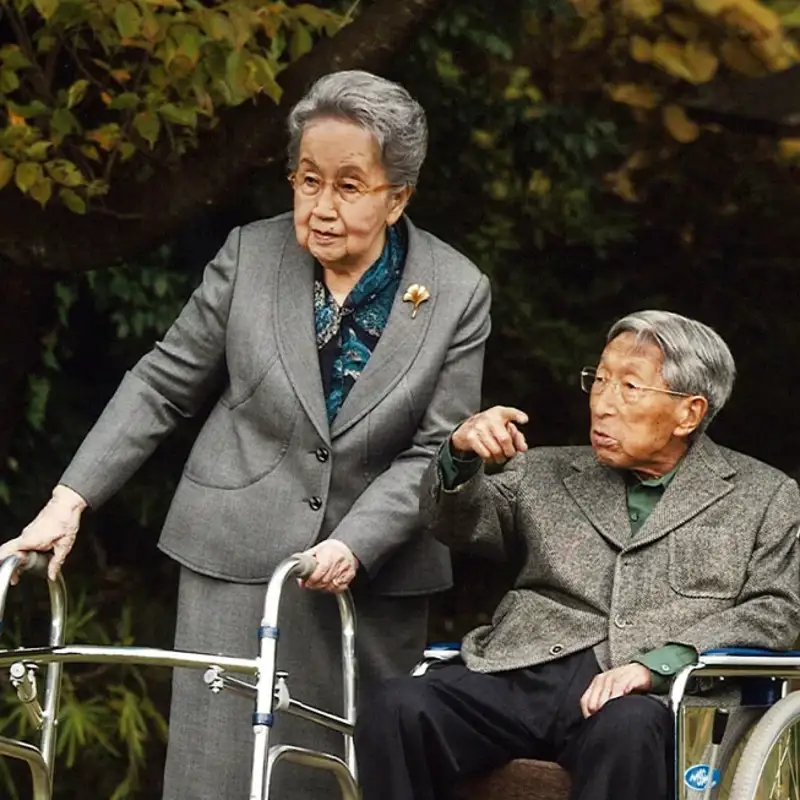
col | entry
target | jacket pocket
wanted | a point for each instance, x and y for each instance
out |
(242, 444)
(708, 562)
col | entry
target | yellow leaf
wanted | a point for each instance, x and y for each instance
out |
(593, 28)
(484, 139)
(684, 26)
(776, 52)
(700, 61)
(641, 9)
(15, 119)
(7, 166)
(73, 201)
(753, 17)
(711, 7)
(633, 95)
(669, 56)
(738, 57)
(41, 191)
(621, 184)
(641, 50)
(539, 183)
(789, 148)
(679, 125)
(27, 174)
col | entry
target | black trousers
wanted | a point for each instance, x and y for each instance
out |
(417, 737)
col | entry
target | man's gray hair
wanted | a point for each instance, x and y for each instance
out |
(696, 358)
(382, 107)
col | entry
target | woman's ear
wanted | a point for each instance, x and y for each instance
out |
(397, 204)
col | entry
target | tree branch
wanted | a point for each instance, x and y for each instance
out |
(247, 135)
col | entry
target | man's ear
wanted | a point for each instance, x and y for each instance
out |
(691, 413)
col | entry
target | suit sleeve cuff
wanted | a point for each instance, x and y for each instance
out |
(664, 662)
(455, 471)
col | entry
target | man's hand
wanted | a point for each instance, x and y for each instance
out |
(493, 434)
(615, 683)
(336, 567)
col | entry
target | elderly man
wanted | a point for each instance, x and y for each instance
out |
(634, 556)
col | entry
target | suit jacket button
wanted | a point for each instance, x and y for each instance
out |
(323, 454)
(556, 649)
(315, 503)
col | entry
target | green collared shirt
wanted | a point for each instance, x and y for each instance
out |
(642, 495)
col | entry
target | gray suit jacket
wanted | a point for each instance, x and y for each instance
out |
(716, 564)
(267, 475)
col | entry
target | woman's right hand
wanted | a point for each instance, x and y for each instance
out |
(493, 434)
(54, 528)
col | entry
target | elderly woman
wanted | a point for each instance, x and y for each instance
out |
(341, 344)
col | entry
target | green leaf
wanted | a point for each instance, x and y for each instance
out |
(64, 172)
(313, 15)
(9, 81)
(64, 122)
(33, 109)
(73, 201)
(300, 43)
(148, 126)
(106, 136)
(126, 150)
(42, 191)
(189, 39)
(180, 115)
(128, 19)
(76, 92)
(220, 28)
(27, 175)
(46, 7)
(13, 58)
(7, 166)
(38, 150)
(38, 394)
(123, 101)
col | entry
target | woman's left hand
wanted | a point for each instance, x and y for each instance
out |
(336, 567)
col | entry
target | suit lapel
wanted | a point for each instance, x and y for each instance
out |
(700, 481)
(296, 335)
(600, 493)
(401, 339)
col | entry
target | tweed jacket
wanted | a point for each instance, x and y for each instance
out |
(716, 564)
(268, 475)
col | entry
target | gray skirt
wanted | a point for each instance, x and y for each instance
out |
(210, 738)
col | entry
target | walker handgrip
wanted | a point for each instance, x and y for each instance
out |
(305, 566)
(36, 562)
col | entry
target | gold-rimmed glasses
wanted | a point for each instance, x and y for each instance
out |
(629, 392)
(309, 185)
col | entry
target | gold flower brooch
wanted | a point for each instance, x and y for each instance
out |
(416, 294)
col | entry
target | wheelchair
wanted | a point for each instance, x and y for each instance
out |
(749, 752)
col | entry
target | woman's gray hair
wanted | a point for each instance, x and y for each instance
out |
(696, 359)
(382, 107)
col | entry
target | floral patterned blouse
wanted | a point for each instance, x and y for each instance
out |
(347, 334)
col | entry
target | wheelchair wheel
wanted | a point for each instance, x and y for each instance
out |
(742, 721)
(769, 768)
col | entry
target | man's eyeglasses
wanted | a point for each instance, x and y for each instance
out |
(630, 393)
(349, 190)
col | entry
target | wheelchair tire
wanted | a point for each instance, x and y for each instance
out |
(756, 754)
(742, 721)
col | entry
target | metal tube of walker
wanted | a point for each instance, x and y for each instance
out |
(298, 565)
(37, 562)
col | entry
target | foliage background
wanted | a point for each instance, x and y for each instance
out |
(557, 162)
